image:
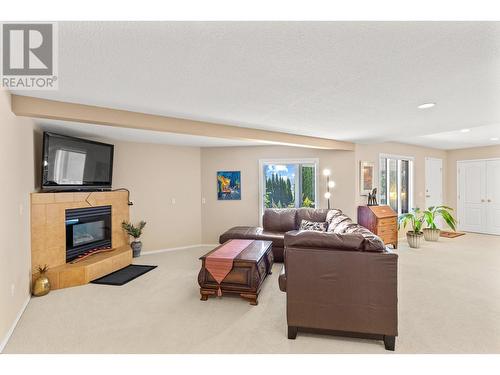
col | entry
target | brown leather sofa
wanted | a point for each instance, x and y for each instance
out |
(340, 284)
(276, 222)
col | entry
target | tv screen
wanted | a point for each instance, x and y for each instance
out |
(75, 164)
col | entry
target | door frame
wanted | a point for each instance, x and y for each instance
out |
(458, 182)
(411, 184)
(442, 179)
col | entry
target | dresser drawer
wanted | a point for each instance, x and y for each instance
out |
(387, 231)
(388, 222)
(389, 239)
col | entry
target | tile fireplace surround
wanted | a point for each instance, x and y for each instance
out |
(48, 235)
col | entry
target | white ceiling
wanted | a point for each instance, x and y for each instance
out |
(474, 137)
(111, 133)
(355, 81)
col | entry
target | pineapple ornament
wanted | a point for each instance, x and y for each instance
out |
(42, 284)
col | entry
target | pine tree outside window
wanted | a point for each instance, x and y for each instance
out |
(288, 183)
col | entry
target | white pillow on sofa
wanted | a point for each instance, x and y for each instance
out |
(318, 226)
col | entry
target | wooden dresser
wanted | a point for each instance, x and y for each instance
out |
(381, 220)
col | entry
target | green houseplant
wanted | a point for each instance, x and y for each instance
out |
(432, 232)
(135, 232)
(415, 219)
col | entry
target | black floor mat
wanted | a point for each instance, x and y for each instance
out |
(124, 275)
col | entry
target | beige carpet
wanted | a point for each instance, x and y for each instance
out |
(449, 302)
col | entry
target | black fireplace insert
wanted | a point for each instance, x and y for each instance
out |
(87, 229)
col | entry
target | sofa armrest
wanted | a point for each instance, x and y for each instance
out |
(324, 240)
(282, 279)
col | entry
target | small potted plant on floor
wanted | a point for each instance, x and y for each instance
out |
(432, 232)
(416, 219)
(136, 232)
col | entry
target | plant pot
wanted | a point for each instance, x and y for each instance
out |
(41, 286)
(414, 239)
(136, 248)
(431, 234)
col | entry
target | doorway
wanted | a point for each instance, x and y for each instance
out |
(478, 195)
(433, 182)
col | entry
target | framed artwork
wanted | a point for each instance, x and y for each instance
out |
(366, 177)
(228, 185)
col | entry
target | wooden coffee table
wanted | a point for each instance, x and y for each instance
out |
(250, 269)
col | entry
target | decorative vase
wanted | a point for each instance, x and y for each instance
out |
(431, 234)
(136, 248)
(41, 286)
(414, 239)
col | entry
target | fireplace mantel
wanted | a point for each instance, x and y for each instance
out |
(48, 236)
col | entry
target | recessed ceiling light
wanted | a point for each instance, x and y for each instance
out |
(494, 139)
(426, 105)
(465, 130)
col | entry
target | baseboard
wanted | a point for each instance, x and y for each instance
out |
(5, 340)
(175, 249)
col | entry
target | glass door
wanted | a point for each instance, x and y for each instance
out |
(396, 183)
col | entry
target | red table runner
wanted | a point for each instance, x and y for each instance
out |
(220, 262)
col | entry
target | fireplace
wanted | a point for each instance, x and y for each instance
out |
(87, 229)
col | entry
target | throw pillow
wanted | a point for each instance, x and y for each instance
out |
(342, 226)
(371, 242)
(331, 214)
(336, 220)
(313, 225)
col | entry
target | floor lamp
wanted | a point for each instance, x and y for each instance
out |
(329, 185)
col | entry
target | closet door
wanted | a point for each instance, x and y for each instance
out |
(472, 196)
(493, 196)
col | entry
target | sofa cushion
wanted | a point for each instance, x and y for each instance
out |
(310, 214)
(279, 219)
(314, 225)
(278, 238)
(324, 240)
(243, 233)
(342, 226)
(253, 233)
(331, 214)
(336, 220)
(372, 242)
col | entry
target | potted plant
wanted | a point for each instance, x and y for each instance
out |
(416, 219)
(432, 232)
(136, 232)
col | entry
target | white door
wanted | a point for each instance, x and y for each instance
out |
(433, 182)
(471, 196)
(493, 196)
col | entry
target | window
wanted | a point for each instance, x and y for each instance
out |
(288, 183)
(396, 182)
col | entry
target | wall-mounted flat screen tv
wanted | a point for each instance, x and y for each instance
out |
(71, 163)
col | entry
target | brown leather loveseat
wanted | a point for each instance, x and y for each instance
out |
(276, 222)
(340, 284)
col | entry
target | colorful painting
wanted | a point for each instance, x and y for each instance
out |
(228, 185)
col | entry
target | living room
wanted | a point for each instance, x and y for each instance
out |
(244, 145)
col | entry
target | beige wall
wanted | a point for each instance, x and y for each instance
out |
(218, 216)
(156, 174)
(371, 153)
(17, 173)
(465, 154)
